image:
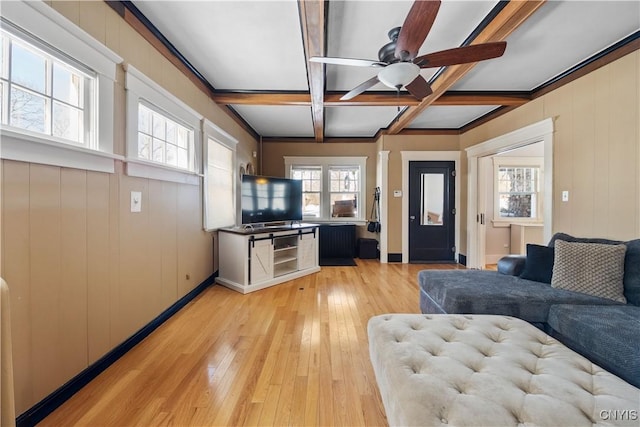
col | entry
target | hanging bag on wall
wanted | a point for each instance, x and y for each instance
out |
(373, 225)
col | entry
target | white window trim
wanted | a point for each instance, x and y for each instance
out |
(140, 87)
(211, 131)
(43, 22)
(326, 162)
(500, 161)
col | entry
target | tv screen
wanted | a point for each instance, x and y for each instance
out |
(268, 199)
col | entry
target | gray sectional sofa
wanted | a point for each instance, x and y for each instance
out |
(605, 330)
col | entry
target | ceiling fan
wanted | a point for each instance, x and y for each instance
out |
(398, 58)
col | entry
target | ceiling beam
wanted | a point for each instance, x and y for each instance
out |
(332, 99)
(507, 20)
(313, 37)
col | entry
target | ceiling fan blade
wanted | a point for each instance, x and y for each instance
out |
(419, 88)
(348, 61)
(416, 26)
(360, 88)
(461, 55)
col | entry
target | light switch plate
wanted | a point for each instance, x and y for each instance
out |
(136, 201)
(397, 193)
(565, 196)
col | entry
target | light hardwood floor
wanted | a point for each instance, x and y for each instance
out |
(293, 354)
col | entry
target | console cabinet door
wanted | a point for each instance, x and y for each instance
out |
(261, 262)
(307, 252)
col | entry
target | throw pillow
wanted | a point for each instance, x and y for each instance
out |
(590, 268)
(539, 263)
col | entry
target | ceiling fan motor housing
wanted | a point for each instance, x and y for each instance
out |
(387, 52)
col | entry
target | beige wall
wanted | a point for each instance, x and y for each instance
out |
(596, 150)
(84, 272)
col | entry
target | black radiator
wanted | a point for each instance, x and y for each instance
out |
(337, 241)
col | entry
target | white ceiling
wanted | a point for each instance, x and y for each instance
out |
(253, 45)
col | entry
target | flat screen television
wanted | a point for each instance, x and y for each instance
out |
(268, 199)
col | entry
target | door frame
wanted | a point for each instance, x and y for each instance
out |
(426, 156)
(537, 132)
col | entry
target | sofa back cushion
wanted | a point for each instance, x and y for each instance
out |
(590, 268)
(631, 262)
(539, 263)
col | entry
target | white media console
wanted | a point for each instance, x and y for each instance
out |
(253, 259)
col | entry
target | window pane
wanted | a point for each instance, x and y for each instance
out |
(344, 205)
(67, 86)
(144, 119)
(144, 146)
(159, 126)
(158, 150)
(516, 205)
(171, 132)
(172, 155)
(183, 137)
(67, 122)
(183, 158)
(28, 68)
(311, 205)
(27, 111)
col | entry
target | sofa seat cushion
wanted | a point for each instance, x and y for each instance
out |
(609, 336)
(489, 292)
(435, 370)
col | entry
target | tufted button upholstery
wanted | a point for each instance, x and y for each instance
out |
(489, 370)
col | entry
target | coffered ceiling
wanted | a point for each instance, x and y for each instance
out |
(253, 55)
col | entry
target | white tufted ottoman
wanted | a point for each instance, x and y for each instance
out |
(483, 370)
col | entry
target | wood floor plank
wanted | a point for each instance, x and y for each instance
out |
(293, 354)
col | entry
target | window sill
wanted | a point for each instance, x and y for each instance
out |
(141, 169)
(34, 148)
(508, 223)
(355, 221)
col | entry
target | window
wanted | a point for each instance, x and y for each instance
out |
(45, 94)
(517, 189)
(219, 178)
(162, 138)
(332, 187)
(56, 96)
(311, 177)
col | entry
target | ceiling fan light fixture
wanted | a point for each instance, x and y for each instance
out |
(399, 74)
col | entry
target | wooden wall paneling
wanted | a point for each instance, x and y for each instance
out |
(72, 342)
(623, 148)
(98, 266)
(17, 273)
(195, 246)
(70, 9)
(583, 139)
(116, 332)
(46, 279)
(92, 18)
(558, 106)
(169, 240)
(156, 206)
(134, 283)
(600, 188)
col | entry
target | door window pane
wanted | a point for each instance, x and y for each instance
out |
(431, 198)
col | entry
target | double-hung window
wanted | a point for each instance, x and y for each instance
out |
(56, 90)
(333, 188)
(518, 189)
